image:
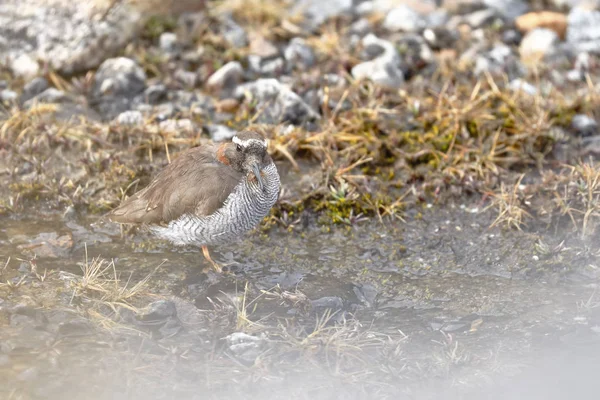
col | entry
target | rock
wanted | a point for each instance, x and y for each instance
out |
(543, 19)
(155, 94)
(479, 19)
(119, 76)
(538, 43)
(316, 12)
(403, 19)
(49, 245)
(167, 42)
(220, 133)
(33, 88)
(298, 54)
(233, 33)
(130, 118)
(187, 78)
(266, 66)
(521, 85)
(440, 38)
(361, 27)
(8, 96)
(499, 60)
(383, 70)
(228, 76)
(261, 47)
(24, 66)
(116, 83)
(68, 36)
(510, 9)
(511, 37)
(583, 30)
(584, 126)
(277, 102)
(49, 96)
(177, 126)
(244, 347)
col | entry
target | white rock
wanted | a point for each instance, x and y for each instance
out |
(521, 85)
(130, 118)
(167, 41)
(24, 66)
(8, 95)
(177, 125)
(403, 19)
(227, 76)
(384, 70)
(220, 133)
(538, 42)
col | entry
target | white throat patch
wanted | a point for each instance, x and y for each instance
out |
(247, 142)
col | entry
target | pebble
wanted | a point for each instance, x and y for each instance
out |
(521, 85)
(183, 125)
(584, 126)
(298, 54)
(509, 9)
(49, 96)
(403, 19)
(385, 69)
(33, 88)
(8, 95)
(187, 78)
(277, 102)
(583, 30)
(228, 76)
(24, 66)
(318, 11)
(119, 76)
(155, 94)
(167, 42)
(130, 118)
(538, 43)
(245, 347)
(234, 34)
(220, 133)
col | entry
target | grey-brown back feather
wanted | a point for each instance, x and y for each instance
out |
(194, 183)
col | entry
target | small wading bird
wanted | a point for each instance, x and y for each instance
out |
(208, 195)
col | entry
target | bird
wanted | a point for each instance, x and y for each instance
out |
(208, 195)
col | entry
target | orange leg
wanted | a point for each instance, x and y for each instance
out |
(216, 266)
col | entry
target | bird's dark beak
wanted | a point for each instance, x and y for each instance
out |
(256, 172)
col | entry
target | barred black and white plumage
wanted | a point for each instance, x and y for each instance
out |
(208, 195)
(245, 207)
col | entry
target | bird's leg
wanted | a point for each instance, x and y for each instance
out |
(214, 264)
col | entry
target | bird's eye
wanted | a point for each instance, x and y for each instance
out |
(238, 147)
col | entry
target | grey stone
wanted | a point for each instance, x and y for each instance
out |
(521, 85)
(228, 76)
(299, 54)
(385, 69)
(318, 11)
(119, 76)
(245, 347)
(50, 96)
(187, 78)
(481, 18)
(130, 118)
(24, 66)
(220, 133)
(266, 66)
(68, 36)
(361, 27)
(33, 88)
(499, 60)
(167, 41)
(510, 9)
(117, 82)
(233, 33)
(583, 30)
(277, 102)
(178, 125)
(403, 19)
(538, 42)
(8, 95)
(584, 126)
(155, 94)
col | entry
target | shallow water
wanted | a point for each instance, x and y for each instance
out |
(433, 305)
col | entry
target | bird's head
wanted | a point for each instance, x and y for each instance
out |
(248, 154)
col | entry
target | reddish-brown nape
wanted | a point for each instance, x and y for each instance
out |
(221, 154)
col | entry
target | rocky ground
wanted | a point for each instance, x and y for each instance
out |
(436, 230)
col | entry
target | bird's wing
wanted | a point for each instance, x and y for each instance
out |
(195, 182)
